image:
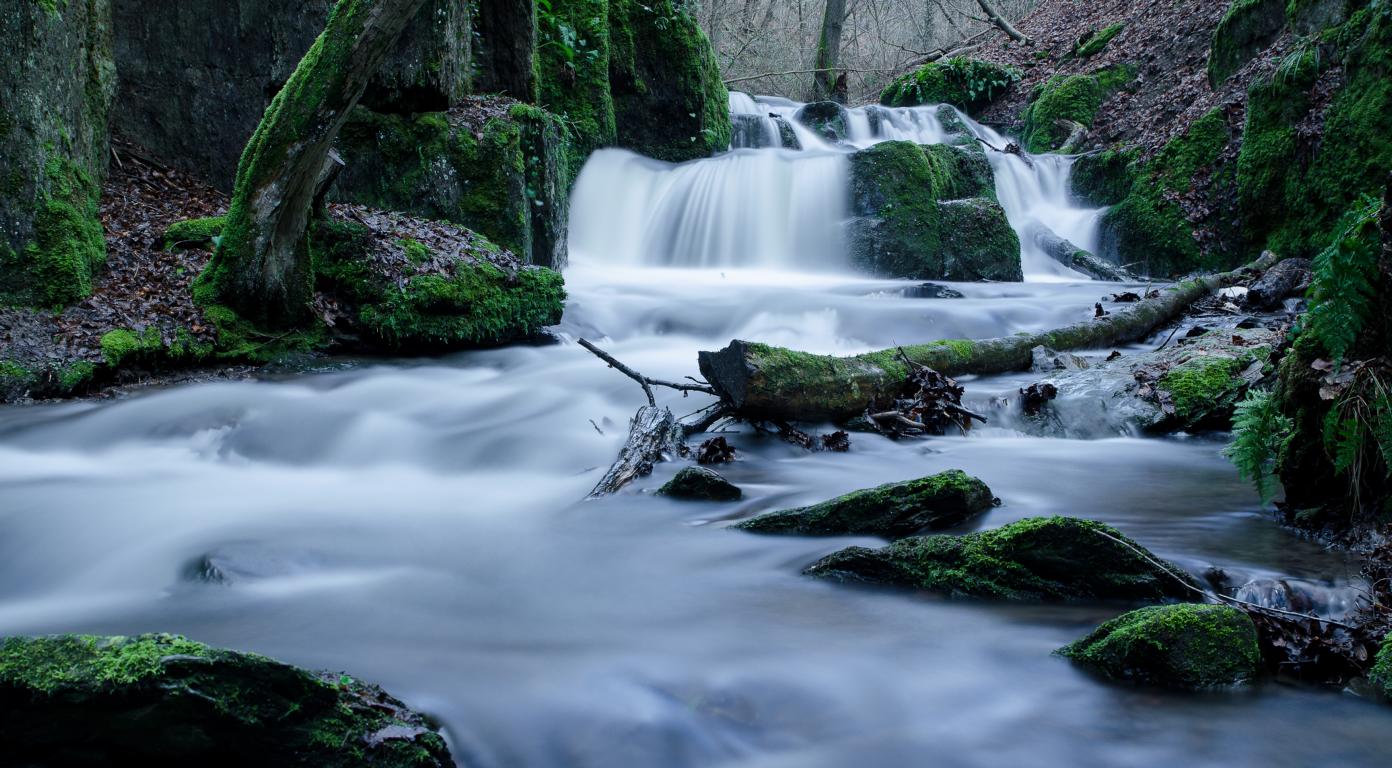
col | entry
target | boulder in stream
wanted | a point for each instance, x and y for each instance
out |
(929, 213)
(891, 510)
(80, 700)
(827, 118)
(1042, 559)
(700, 484)
(1187, 646)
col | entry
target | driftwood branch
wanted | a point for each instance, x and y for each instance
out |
(762, 382)
(645, 381)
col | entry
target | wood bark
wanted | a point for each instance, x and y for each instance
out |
(829, 49)
(1001, 22)
(261, 268)
(762, 382)
(653, 436)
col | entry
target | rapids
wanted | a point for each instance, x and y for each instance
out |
(419, 524)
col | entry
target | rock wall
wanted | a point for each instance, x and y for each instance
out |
(54, 99)
(197, 76)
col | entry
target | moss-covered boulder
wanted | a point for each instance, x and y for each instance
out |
(929, 213)
(572, 62)
(196, 78)
(891, 510)
(669, 100)
(1046, 559)
(1294, 183)
(1145, 227)
(1308, 17)
(490, 164)
(55, 96)
(968, 84)
(409, 284)
(700, 484)
(1381, 673)
(80, 700)
(826, 118)
(1186, 646)
(1246, 29)
(1067, 99)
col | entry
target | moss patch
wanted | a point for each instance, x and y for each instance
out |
(968, 84)
(57, 267)
(895, 509)
(1381, 673)
(1073, 98)
(1038, 559)
(85, 700)
(1098, 41)
(194, 233)
(1248, 27)
(1187, 646)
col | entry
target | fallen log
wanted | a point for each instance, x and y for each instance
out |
(763, 382)
(1073, 257)
(1001, 23)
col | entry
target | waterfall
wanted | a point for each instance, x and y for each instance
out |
(779, 197)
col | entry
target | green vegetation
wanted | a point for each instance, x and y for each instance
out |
(1186, 646)
(56, 268)
(1074, 98)
(968, 84)
(194, 233)
(1248, 27)
(1205, 388)
(1098, 41)
(1259, 432)
(1037, 559)
(895, 509)
(573, 66)
(1381, 673)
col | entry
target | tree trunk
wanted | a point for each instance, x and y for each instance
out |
(829, 49)
(1000, 21)
(507, 38)
(765, 383)
(261, 268)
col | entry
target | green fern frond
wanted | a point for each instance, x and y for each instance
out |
(1341, 293)
(1259, 430)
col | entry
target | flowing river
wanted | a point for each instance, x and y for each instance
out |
(419, 523)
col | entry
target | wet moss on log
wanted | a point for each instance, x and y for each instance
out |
(764, 382)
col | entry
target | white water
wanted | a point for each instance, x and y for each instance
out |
(419, 524)
(785, 209)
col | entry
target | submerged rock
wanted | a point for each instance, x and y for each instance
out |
(700, 484)
(1038, 559)
(81, 700)
(929, 213)
(892, 510)
(1186, 646)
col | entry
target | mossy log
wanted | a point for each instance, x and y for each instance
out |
(262, 267)
(763, 382)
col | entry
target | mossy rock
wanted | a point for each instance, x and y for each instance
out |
(670, 102)
(1293, 187)
(193, 233)
(891, 510)
(929, 213)
(1043, 559)
(1187, 646)
(81, 700)
(1070, 98)
(464, 293)
(700, 484)
(826, 118)
(490, 165)
(1245, 30)
(971, 85)
(1098, 41)
(1381, 673)
(1309, 17)
(572, 63)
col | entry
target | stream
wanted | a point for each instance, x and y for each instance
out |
(420, 524)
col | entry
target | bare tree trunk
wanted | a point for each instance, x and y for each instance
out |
(829, 48)
(1000, 21)
(261, 269)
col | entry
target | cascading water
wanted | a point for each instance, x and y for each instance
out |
(778, 199)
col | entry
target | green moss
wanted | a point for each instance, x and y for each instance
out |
(669, 99)
(1186, 646)
(1381, 673)
(76, 376)
(1292, 190)
(1204, 387)
(572, 61)
(1104, 178)
(1073, 98)
(1037, 559)
(895, 509)
(968, 84)
(56, 268)
(46, 665)
(1098, 41)
(193, 233)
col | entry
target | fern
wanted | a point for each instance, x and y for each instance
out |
(1259, 430)
(1341, 294)
(1382, 429)
(1343, 439)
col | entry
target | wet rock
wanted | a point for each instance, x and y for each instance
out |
(1047, 360)
(747, 132)
(929, 212)
(78, 700)
(700, 484)
(892, 510)
(1045, 559)
(1289, 277)
(1186, 646)
(787, 136)
(826, 118)
(932, 291)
